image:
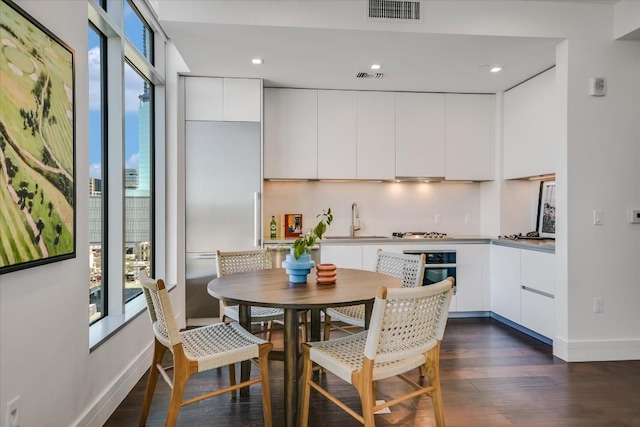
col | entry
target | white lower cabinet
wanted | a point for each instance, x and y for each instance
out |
(343, 256)
(537, 277)
(505, 282)
(538, 313)
(470, 289)
(523, 287)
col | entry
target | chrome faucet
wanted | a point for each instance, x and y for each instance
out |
(355, 219)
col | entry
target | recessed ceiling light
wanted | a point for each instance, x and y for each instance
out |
(495, 69)
(256, 61)
(375, 67)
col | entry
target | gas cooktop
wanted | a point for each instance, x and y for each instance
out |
(419, 235)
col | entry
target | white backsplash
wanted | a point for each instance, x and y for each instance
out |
(384, 207)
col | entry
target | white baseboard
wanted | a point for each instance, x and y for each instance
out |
(596, 350)
(106, 404)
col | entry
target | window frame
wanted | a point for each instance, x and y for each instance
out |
(109, 21)
(104, 182)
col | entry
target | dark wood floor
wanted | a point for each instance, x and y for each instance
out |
(491, 375)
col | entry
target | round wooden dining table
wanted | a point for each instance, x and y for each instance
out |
(271, 288)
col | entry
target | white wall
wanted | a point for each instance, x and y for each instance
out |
(384, 207)
(44, 350)
(44, 330)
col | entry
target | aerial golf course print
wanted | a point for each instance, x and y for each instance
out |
(37, 136)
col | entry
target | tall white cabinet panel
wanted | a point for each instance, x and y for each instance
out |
(337, 132)
(204, 97)
(469, 278)
(376, 135)
(530, 128)
(242, 100)
(505, 282)
(420, 134)
(470, 137)
(291, 133)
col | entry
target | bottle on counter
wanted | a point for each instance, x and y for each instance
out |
(272, 227)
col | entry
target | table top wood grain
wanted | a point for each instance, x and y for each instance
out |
(271, 288)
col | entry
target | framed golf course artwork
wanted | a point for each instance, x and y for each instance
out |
(37, 141)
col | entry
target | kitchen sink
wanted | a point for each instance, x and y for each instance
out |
(355, 237)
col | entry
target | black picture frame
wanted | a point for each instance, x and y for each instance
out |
(546, 224)
(37, 143)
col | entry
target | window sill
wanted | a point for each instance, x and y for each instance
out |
(103, 329)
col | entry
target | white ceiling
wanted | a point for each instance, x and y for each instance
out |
(330, 58)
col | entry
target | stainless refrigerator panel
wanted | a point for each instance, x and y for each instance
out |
(222, 186)
(200, 270)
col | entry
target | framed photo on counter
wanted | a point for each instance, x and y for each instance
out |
(292, 225)
(547, 209)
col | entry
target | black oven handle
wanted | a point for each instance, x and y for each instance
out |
(435, 266)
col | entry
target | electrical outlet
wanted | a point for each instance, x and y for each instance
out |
(598, 217)
(467, 218)
(437, 218)
(12, 412)
(598, 305)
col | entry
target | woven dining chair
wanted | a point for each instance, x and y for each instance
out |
(240, 262)
(198, 350)
(408, 268)
(244, 261)
(407, 326)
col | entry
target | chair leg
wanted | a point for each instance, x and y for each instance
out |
(232, 379)
(176, 398)
(304, 327)
(367, 400)
(263, 361)
(269, 329)
(306, 387)
(327, 327)
(158, 353)
(422, 370)
(433, 373)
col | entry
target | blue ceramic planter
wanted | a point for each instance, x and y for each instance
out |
(298, 269)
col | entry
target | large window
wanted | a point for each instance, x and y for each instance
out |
(121, 160)
(97, 137)
(138, 152)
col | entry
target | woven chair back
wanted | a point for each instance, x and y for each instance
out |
(163, 320)
(408, 321)
(407, 268)
(242, 261)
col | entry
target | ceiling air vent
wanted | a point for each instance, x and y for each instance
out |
(369, 75)
(393, 10)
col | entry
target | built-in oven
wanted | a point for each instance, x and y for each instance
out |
(438, 265)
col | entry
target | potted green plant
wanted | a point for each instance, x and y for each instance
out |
(303, 244)
(298, 263)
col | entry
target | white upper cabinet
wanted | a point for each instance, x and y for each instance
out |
(290, 133)
(420, 134)
(470, 122)
(242, 100)
(530, 127)
(337, 133)
(222, 99)
(376, 135)
(203, 98)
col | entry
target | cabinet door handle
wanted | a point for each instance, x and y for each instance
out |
(535, 291)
